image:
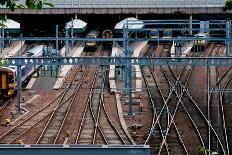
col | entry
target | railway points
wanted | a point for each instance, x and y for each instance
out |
(147, 87)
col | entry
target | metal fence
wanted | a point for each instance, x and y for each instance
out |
(135, 3)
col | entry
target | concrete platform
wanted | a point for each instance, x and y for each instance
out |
(31, 83)
(185, 49)
(12, 50)
(117, 51)
(65, 69)
(121, 118)
(138, 47)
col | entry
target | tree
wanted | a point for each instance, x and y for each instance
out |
(30, 4)
(2, 62)
(14, 4)
(227, 6)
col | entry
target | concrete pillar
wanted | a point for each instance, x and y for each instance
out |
(191, 25)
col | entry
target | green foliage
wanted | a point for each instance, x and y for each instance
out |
(227, 6)
(2, 18)
(2, 62)
(203, 150)
(30, 4)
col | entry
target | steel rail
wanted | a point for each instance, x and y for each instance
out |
(69, 108)
(194, 103)
(143, 70)
(24, 130)
(85, 111)
(178, 134)
(96, 118)
(173, 115)
(153, 106)
(84, 115)
(185, 107)
(59, 105)
(4, 105)
(210, 97)
(170, 82)
(107, 115)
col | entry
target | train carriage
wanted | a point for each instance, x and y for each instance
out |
(91, 46)
(7, 82)
(154, 34)
(8, 74)
(167, 34)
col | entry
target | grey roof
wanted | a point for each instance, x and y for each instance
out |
(134, 3)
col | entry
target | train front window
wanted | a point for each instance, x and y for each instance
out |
(154, 33)
(11, 78)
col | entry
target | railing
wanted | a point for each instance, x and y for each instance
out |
(134, 3)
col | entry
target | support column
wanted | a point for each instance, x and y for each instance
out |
(66, 43)
(72, 35)
(3, 36)
(129, 87)
(128, 82)
(1, 40)
(19, 88)
(57, 33)
(57, 48)
(125, 47)
(191, 24)
(21, 42)
(228, 37)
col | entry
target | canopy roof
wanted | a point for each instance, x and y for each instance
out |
(77, 24)
(131, 20)
(10, 24)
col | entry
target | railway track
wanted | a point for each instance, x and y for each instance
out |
(183, 98)
(3, 105)
(197, 121)
(25, 126)
(54, 126)
(227, 125)
(215, 107)
(52, 129)
(159, 130)
(96, 126)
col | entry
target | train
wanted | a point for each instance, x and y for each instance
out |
(154, 34)
(200, 45)
(167, 34)
(201, 35)
(8, 74)
(91, 46)
(107, 33)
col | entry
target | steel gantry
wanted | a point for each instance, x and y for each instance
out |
(127, 60)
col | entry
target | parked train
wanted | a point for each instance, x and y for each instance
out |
(107, 33)
(8, 74)
(201, 35)
(167, 33)
(156, 34)
(91, 46)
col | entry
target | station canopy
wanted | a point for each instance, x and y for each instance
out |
(10, 26)
(79, 26)
(135, 24)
